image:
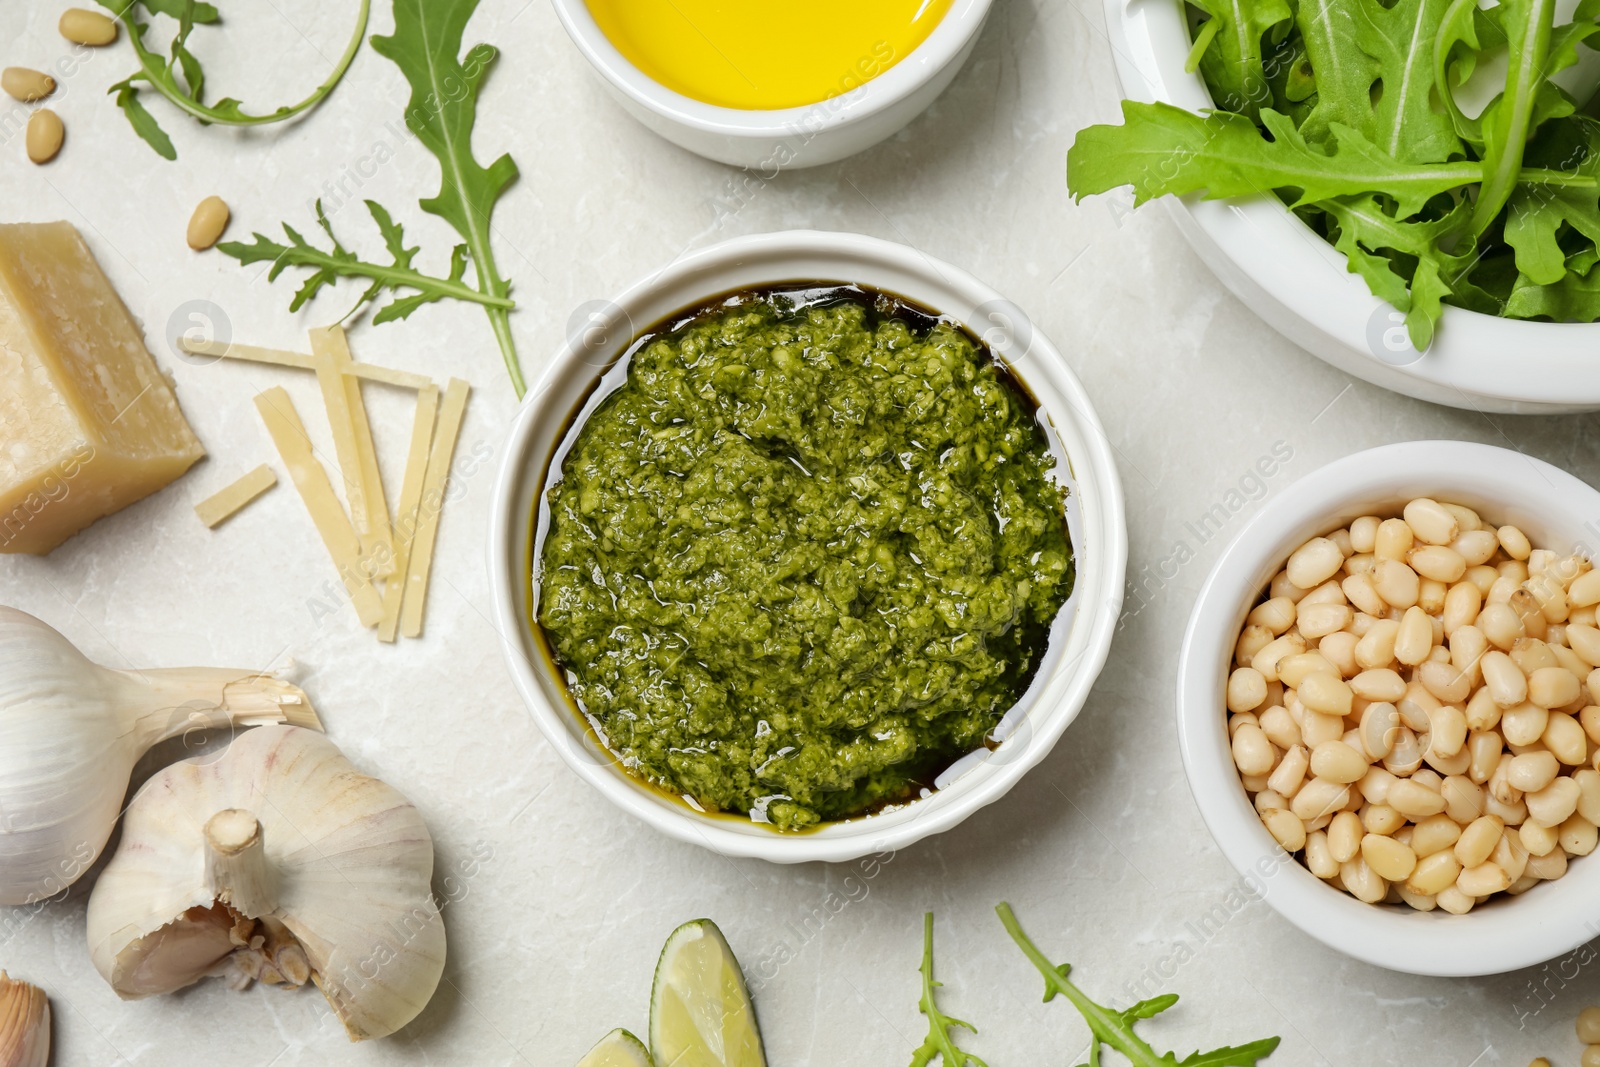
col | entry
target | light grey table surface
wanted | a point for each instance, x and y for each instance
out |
(555, 930)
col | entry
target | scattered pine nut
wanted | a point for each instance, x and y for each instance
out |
(81, 26)
(210, 218)
(26, 85)
(44, 135)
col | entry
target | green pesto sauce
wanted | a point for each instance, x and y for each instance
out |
(804, 557)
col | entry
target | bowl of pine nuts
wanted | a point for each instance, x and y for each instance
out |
(1389, 707)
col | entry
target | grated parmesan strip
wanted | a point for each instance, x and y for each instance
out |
(276, 357)
(352, 443)
(222, 505)
(406, 517)
(309, 477)
(432, 502)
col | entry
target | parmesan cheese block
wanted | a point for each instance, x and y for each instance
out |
(88, 424)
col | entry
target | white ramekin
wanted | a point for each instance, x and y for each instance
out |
(1299, 283)
(1557, 511)
(786, 138)
(1078, 643)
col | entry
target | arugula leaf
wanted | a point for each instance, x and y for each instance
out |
(1162, 149)
(1538, 218)
(1331, 33)
(1575, 298)
(181, 79)
(1232, 62)
(1115, 1028)
(1401, 39)
(940, 1041)
(328, 267)
(426, 46)
(1365, 228)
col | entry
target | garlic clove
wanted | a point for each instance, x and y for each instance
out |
(276, 862)
(24, 1024)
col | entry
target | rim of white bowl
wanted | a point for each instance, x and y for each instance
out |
(1078, 650)
(1537, 363)
(942, 44)
(1557, 511)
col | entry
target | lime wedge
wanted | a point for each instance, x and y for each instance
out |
(700, 1010)
(617, 1049)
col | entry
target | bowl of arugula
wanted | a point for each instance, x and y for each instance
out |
(1408, 190)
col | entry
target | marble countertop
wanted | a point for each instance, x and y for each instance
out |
(556, 903)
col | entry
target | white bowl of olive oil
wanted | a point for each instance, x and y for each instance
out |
(777, 85)
(1078, 640)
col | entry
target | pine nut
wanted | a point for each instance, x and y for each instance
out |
(1477, 547)
(1433, 834)
(1266, 660)
(1447, 683)
(1477, 842)
(1461, 606)
(1277, 614)
(1589, 719)
(1393, 540)
(1589, 1026)
(1504, 679)
(1418, 901)
(1252, 752)
(1287, 830)
(1538, 839)
(1553, 687)
(1317, 798)
(1502, 626)
(1413, 800)
(1376, 649)
(1449, 730)
(1362, 881)
(1246, 689)
(1548, 867)
(1388, 858)
(1531, 654)
(1431, 522)
(1454, 901)
(1509, 854)
(1344, 836)
(1293, 670)
(1577, 836)
(1405, 754)
(1379, 683)
(210, 218)
(1315, 728)
(1290, 773)
(1380, 724)
(1585, 640)
(1515, 542)
(1486, 750)
(1534, 624)
(1360, 591)
(26, 85)
(1318, 858)
(1270, 800)
(44, 135)
(1282, 586)
(1438, 562)
(1588, 794)
(87, 27)
(1381, 819)
(1317, 621)
(1314, 563)
(1524, 724)
(1340, 650)
(1585, 590)
(1482, 880)
(1326, 693)
(1532, 771)
(1415, 637)
(1364, 533)
(1565, 739)
(1374, 785)
(1338, 762)
(1434, 873)
(1280, 727)
(1554, 804)
(1396, 583)
(1482, 712)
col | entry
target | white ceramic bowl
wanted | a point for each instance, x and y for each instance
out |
(1079, 641)
(1557, 511)
(1299, 283)
(786, 138)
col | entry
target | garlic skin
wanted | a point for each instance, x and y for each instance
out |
(24, 1024)
(71, 732)
(277, 861)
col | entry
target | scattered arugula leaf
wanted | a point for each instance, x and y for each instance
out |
(1115, 1028)
(940, 1041)
(180, 78)
(327, 267)
(426, 46)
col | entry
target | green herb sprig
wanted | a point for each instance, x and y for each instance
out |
(180, 77)
(1115, 1028)
(940, 1040)
(426, 46)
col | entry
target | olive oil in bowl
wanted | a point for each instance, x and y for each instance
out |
(759, 55)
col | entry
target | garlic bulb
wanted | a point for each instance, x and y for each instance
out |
(71, 731)
(276, 862)
(24, 1024)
